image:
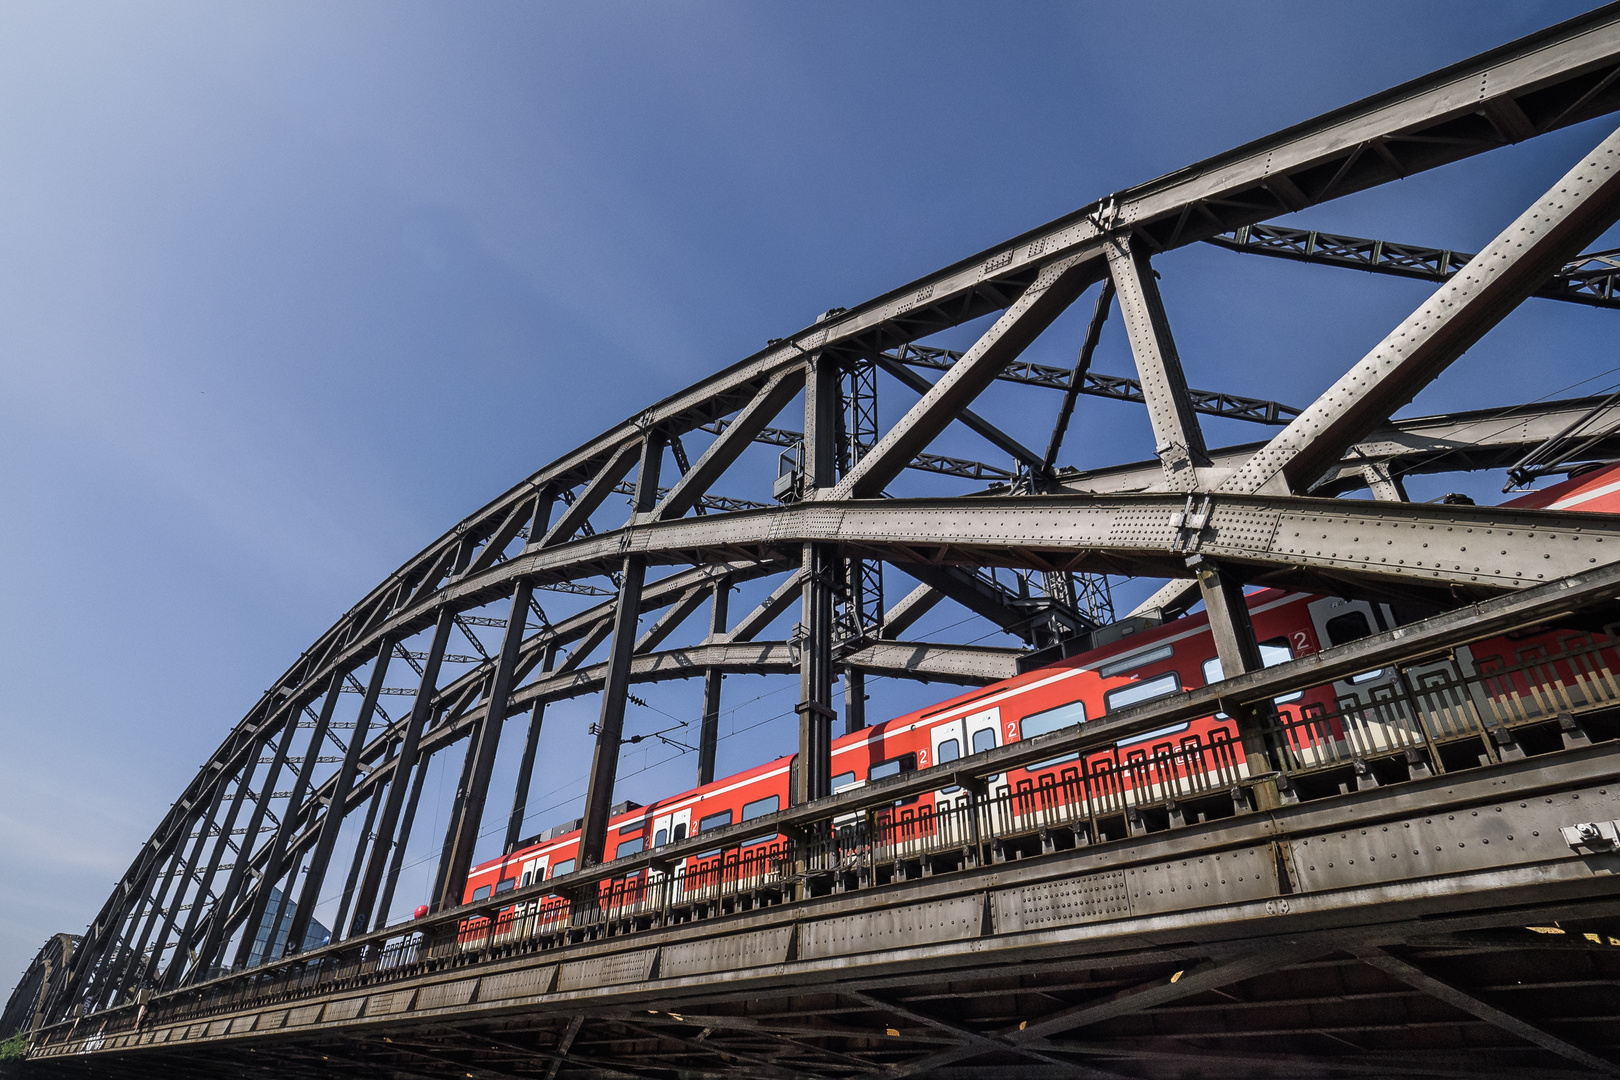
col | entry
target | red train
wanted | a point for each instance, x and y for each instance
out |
(1151, 663)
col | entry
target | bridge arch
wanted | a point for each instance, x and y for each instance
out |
(817, 514)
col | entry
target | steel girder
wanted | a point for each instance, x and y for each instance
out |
(1456, 442)
(543, 533)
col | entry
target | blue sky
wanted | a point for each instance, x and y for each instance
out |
(287, 289)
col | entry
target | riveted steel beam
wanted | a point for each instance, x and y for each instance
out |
(1573, 213)
(1590, 279)
(1455, 549)
(1054, 288)
(1179, 443)
(1464, 441)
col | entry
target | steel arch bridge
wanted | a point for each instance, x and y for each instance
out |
(316, 791)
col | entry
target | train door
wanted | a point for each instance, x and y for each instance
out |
(533, 870)
(667, 829)
(1379, 710)
(847, 824)
(947, 742)
(984, 733)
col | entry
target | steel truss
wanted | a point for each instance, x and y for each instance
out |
(457, 638)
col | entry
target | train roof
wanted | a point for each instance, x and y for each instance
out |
(1595, 491)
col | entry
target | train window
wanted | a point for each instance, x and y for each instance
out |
(1052, 720)
(770, 804)
(714, 821)
(627, 847)
(1342, 629)
(1272, 653)
(893, 767)
(842, 781)
(1135, 660)
(528, 876)
(1146, 690)
(660, 838)
(481, 892)
(1351, 626)
(985, 739)
(680, 831)
(949, 750)
(1061, 717)
(635, 829)
(506, 885)
(566, 866)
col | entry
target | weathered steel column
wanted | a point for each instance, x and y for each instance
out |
(1179, 442)
(616, 684)
(709, 731)
(531, 743)
(854, 700)
(812, 779)
(421, 708)
(349, 883)
(537, 715)
(468, 811)
(1239, 653)
(819, 568)
(403, 843)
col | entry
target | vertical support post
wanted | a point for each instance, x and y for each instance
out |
(467, 762)
(1239, 653)
(421, 708)
(531, 742)
(709, 731)
(354, 864)
(813, 778)
(332, 822)
(616, 685)
(1179, 442)
(405, 823)
(854, 700)
(468, 810)
(821, 412)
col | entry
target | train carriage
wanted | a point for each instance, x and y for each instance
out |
(1187, 770)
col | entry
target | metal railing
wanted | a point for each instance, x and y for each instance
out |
(1417, 716)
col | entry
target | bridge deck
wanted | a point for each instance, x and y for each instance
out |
(1390, 930)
